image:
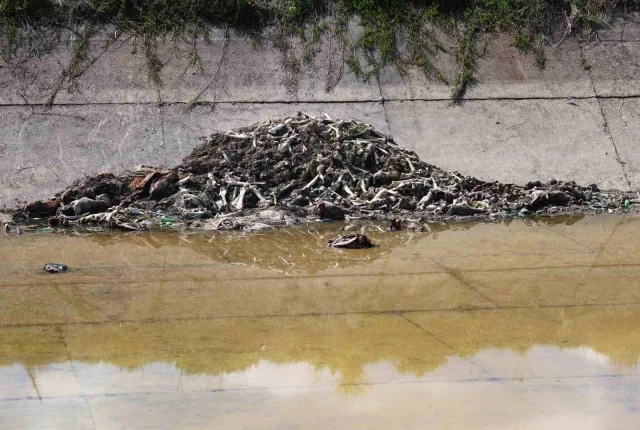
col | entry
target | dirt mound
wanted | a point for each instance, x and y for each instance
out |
(305, 167)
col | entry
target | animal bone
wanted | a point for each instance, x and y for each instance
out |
(238, 202)
(223, 195)
(380, 194)
(347, 190)
(186, 180)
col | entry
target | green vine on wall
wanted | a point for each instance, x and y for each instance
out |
(396, 33)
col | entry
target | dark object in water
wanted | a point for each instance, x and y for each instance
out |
(55, 267)
(351, 241)
(59, 221)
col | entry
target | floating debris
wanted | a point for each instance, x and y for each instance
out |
(55, 267)
(305, 168)
(351, 241)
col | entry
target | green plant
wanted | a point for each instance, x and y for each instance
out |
(394, 33)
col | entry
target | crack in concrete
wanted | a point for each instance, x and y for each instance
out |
(415, 324)
(216, 76)
(161, 115)
(384, 107)
(458, 275)
(72, 367)
(605, 124)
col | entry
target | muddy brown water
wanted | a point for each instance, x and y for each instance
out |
(515, 325)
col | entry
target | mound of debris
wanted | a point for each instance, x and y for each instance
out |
(299, 168)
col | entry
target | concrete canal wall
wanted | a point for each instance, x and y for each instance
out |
(579, 118)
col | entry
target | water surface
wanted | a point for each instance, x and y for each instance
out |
(516, 325)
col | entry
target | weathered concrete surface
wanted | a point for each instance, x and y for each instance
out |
(623, 29)
(257, 74)
(42, 154)
(614, 68)
(117, 75)
(245, 73)
(511, 140)
(113, 117)
(503, 72)
(414, 84)
(623, 117)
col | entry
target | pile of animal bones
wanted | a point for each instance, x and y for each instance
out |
(306, 168)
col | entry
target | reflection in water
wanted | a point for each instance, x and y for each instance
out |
(167, 312)
(344, 345)
(298, 249)
(573, 388)
(108, 378)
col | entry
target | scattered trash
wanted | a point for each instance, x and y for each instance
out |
(351, 241)
(524, 212)
(305, 168)
(55, 267)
